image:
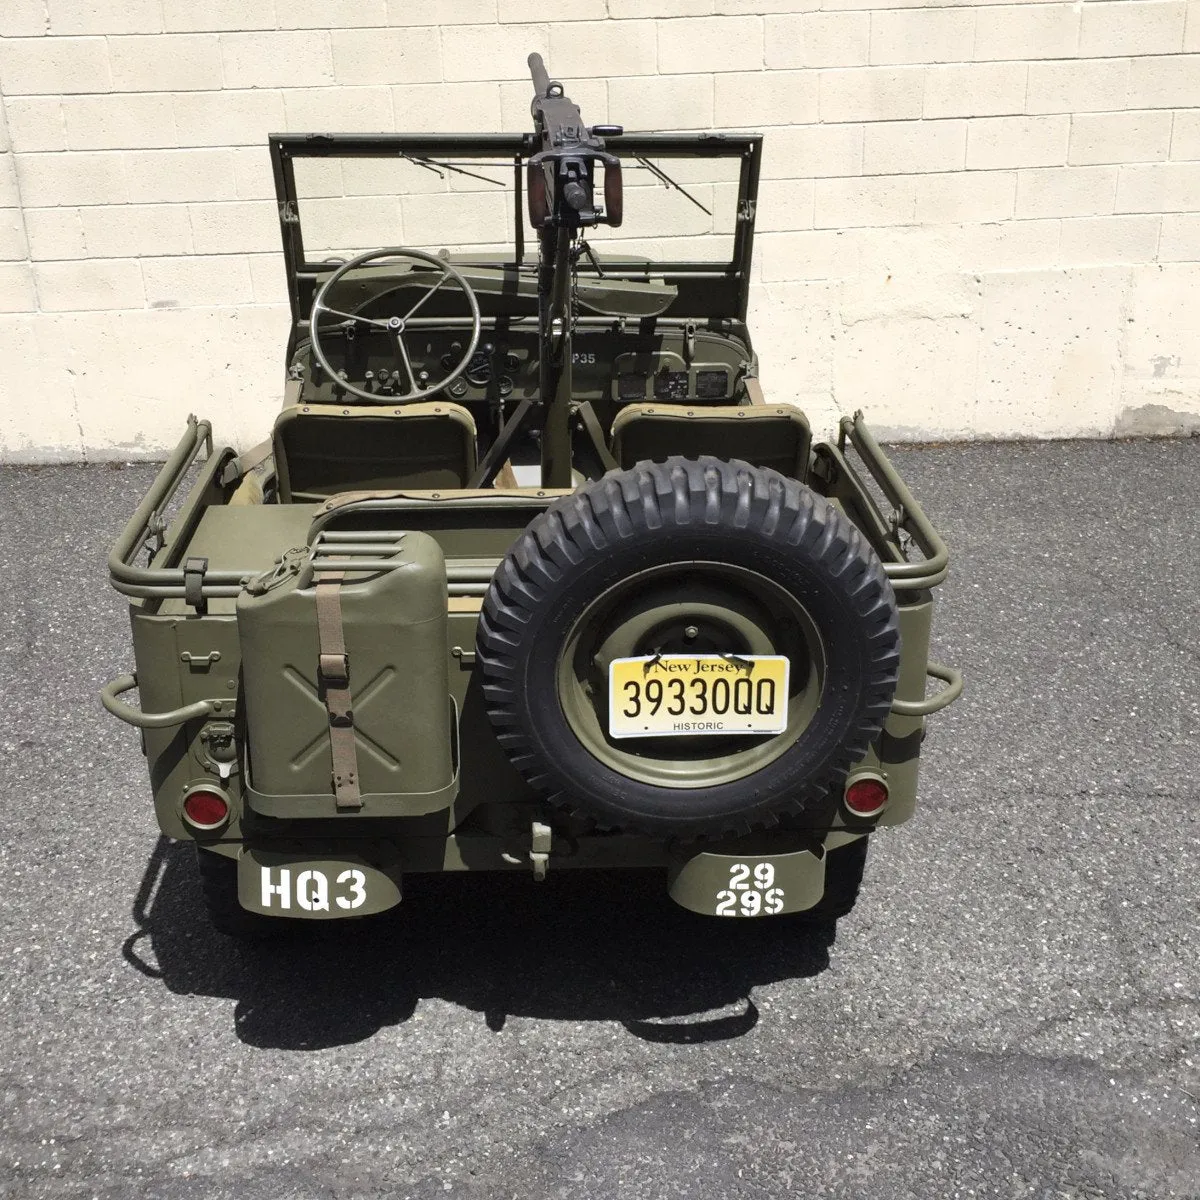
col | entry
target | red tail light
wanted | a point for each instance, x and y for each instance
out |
(867, 796)
(205, 808)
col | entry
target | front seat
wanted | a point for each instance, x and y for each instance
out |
(323, 449)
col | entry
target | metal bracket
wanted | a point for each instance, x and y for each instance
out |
(193, 583)
(466, 658)
(200, 662)
(539, 849)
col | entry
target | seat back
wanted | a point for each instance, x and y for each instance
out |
(769, 435)
(324, 449)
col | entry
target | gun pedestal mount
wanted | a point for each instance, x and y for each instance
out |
(561, 198)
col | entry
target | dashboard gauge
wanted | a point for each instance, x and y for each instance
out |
(504, 385)
(512, 362)
(458, 388)
(479, 370)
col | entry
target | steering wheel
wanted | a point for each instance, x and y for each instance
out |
(395, 326)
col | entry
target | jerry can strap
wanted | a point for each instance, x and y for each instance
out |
(333, 680)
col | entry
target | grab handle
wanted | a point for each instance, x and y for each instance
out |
(162, 720)
(922, 708)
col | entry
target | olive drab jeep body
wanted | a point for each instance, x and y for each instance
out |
(531, 574)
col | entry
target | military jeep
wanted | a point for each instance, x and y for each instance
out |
(531, 574)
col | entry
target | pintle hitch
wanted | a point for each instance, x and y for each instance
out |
(539, 849)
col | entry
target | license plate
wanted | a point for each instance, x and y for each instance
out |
(684, 695)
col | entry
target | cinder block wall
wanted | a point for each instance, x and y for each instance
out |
(978, 219)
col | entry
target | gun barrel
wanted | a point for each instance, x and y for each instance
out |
(541, 77)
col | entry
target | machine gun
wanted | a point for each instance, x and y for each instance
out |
(561, 199)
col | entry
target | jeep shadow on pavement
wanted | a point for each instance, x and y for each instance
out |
(585, 946)
(531, 575)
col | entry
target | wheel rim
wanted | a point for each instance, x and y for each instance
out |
(693, 607)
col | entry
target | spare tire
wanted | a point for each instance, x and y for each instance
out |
(688, 556)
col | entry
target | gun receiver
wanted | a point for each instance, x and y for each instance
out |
(561, 175)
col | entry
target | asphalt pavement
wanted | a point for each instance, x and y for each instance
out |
(1013, 1009)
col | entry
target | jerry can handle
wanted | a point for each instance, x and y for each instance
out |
(162, 720)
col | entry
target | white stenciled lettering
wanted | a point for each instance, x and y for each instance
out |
(282, 889)
(312, 891)
(358, 889)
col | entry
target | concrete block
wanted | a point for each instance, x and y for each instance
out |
(685, 103)
(1101, 241)
(998, 142)
(757, 99)
(913, 290)
(40, 66)
(48, 180)
(145, 64)
(1049, 352)
(13, 246)
(922, 35)
(237, 227)
(818, 39)
(268, 278)
(120, 120)
(336, 14)
(1159, 187)
(1119, 137)
(446, 107)
(1185, 136)
(783, 204)
(531, 11)
(277, 58)
(446, 12)
(1017, 31)
(193, 280)
(813, 151)
(800, 320)
(807, 255)
(1167, 81)
(474, 52)
(914, 147)
(35, 123)
(876, 200)
(135, 230)
(975, 89)
(187, 16)
(54, 233)
(913, 377)
(48, 430)
(1088, 86)
(1180, 238)
(24, 18)
(706, 44)
(1148, 27)
(966, 197)
(1161, 380)
(871, 93)
(340, 109)
(1066, 191)
(351, 224)
(89, 284)
(10, 193)
(228, 118)
(1191, 34)
(393, 56)
(1008, 246)
(68, 17)
(17, 294)
(175, 175)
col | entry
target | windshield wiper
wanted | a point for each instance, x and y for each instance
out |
(437, 166)
(659, 173)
